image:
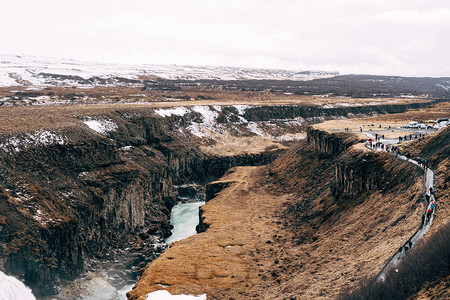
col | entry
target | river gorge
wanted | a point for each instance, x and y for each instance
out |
(99, 191)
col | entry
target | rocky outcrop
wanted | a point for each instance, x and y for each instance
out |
(330, 143)
(314, 113)
(215, 187)
(217, 166)
(65, 203)
(357, 172)
(202, 226)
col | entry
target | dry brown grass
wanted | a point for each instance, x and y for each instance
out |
(137, 94)
(440, 289)
(229, 145)
(103, 100)
(429, 262)
(262, 261)
(220, 261)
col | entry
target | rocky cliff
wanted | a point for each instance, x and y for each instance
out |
(64, 203)
(357, 173)
(330, 143)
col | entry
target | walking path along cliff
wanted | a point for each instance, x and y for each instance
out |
(426, 221)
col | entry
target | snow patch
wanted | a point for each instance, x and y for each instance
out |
(36, 138)
(83, 174)
(167, 112)
(126, 148)
(241, 109)
(253, 127)
(328, 106)
(242, 120)
(197, 130)
(165, 295)
(102, 126)
(209, 116)
(217, 107)
(290, 137)
(12, 288)
(23, 197)
(208, 122)
(38, 216)
(443, 86)
(7, 80)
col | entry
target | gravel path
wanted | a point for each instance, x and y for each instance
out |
(429, 183)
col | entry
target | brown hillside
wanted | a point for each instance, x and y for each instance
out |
(439, 289)
(291, 231)
(436, 149)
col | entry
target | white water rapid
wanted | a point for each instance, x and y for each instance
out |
(184, 219)
(13, 289)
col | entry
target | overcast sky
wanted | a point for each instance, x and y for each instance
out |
(392, 37)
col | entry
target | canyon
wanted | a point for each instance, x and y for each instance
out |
(86, 184)
(76, 193)
(282, 231)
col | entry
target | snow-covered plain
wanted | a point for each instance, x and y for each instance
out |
(43, 71)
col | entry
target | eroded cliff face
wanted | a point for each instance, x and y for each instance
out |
(64, 203)
(357, 173)
(314, 113)
(86, 193)
(330, 143)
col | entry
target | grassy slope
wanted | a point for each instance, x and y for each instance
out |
(424, 274)
(289, 236)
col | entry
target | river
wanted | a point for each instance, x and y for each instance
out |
(184, 218)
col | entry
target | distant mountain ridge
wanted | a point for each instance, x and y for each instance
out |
(39, 71)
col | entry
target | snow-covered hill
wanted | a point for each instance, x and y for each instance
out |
(40, 71)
